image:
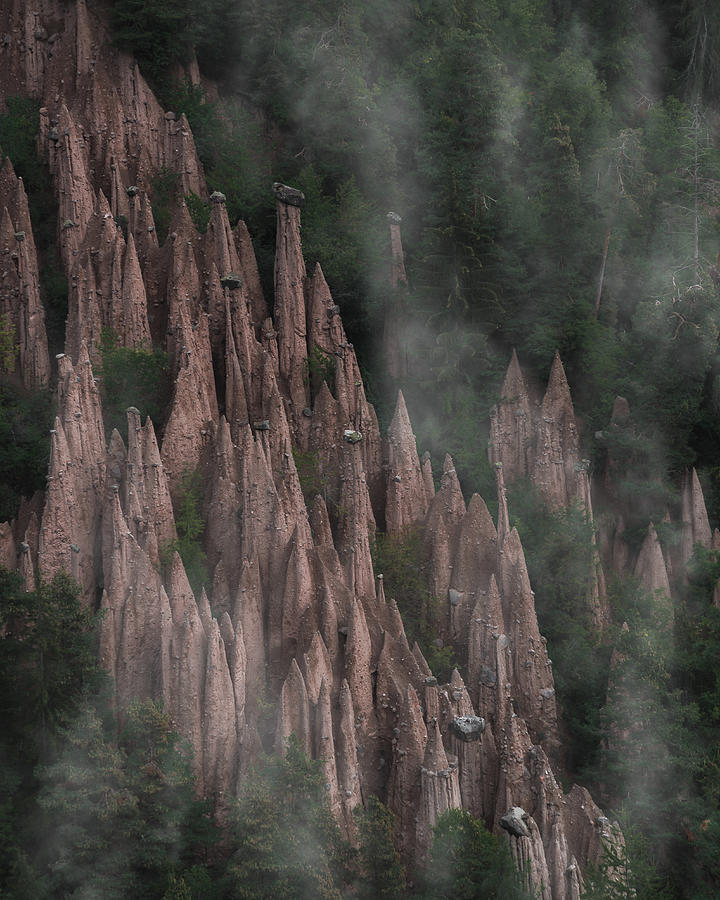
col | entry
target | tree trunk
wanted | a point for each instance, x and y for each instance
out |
(602, 271)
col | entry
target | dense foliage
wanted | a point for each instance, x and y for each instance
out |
(561, 556)
(190, 528)
(626, 872)
(401, 561)
(25, 420)
(120, 813)
(48, 663)
(132, 377)
(287, 842)
(467, 862)
(381, 866)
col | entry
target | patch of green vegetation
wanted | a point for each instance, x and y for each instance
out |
(122, 223)
(320, 368)
(626, 871)
(308, 469)
(199, 211)
(164, 196)
(163, 189)
(185, 98)
(8, 347)
(132, 377)
(560, 556)
(48, 662)
(288, 843)
(54, 291)
(18, 140)
(26, 417)
(190, 527)
(47, 659)
(401, 561)
(119, 808)
(165, 33)
(158, 32)
(468, 862)
(382, 868)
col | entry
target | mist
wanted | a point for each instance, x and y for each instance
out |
(556, 192)
(554, 168)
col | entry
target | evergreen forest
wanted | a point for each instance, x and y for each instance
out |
(556, 164)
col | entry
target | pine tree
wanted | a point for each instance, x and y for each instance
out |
(286, 842)
(383, 874)
(158, 32)
(467, 862)
(121, 817)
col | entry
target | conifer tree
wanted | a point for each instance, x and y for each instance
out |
(467, 862)
(383, 874)
(285, 841)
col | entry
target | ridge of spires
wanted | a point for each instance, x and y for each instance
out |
(20, 301)
(295, 596)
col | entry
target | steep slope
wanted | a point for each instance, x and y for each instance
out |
(294, 608)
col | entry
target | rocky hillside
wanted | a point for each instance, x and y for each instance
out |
(292, 608)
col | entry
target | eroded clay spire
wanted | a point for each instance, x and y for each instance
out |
(194, 405)
(405, 497)
(20, 289)
(290, 296)
(439, 788)
(76, 481)
(557, 444)
(511, 425)
(294, 712)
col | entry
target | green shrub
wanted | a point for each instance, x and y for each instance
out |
(162, 33)
(638, 470)
(199, 211)
(287, 841)
(120, 810)
(18, 140)
(311, 482)
(208, 127)
(8, 347)
(625, 872)
(26, 418)
(132, 377)
(320, 368)
(560, 556)
(190, 527)
(663, 719)
(54, 292)
(122, 223)
(401, 561)
(164, 196)
(157, 32)
(47, 660)
(383, 874)
(467, 862)
(454, 422)
(48, 664)
(163, 189)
